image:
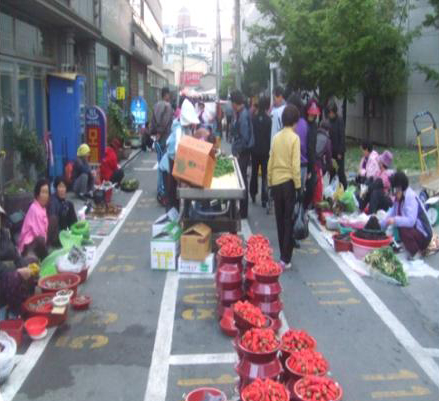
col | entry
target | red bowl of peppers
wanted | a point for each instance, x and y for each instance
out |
(248, 316)
(263, 390)
(296, 340)
(267, 271)
(306, 362)
(317, 388)
(259, 345)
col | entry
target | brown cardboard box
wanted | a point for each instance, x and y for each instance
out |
(194, 162)
(196, 242)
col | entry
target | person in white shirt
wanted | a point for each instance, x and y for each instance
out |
(277, 110)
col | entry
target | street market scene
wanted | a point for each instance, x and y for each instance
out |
(219, 200)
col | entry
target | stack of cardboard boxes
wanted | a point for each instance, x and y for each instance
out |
(189, 251)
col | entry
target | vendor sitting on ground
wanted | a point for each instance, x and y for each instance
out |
(62, 213)
(110, 170)
(377, 196)
(369, 166)
(408, 215)
(83, 180)
(33, 237)
(16, 283)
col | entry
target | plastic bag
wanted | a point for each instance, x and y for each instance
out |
(7, 355)
(349, 200)
(73, 262)
(300, 222)
(331, 188)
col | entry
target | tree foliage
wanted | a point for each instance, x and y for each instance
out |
(256, 73)
(340, 47)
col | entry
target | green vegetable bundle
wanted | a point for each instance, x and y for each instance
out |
(385, 261)
(223, 166)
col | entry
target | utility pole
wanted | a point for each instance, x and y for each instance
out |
(219, 62)
(182, 78)
(238, 43)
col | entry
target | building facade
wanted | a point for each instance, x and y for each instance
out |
(419, 96)
(114, 44)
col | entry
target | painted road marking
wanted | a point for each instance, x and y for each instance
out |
(103, 319)
(403, 374)
(207, 381)
(198, 314)
(203, 359)
(157, 386)
(349, 301)
(195, 298)
(197, 276)
(95, 341)
(425, 361)
(325, 283)
(198, 286)
(337, 291)
(36, 349)
(415, 391)
(145, 168)
(116, 269)
(433, 352)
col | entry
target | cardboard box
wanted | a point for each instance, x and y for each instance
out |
(196, 242)
(165, 247)
(194, 162)
(170, 217)
(196, 266)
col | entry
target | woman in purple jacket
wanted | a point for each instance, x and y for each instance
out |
(408, 216)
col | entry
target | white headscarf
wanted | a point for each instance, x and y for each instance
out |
(188, 114)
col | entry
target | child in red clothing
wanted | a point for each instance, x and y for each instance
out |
(110, 170)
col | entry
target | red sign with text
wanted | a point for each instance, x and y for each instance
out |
(190, 78)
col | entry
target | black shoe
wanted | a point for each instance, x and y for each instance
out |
(253, 199)
(264, 204)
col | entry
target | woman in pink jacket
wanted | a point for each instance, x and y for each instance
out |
(33, 237)
(369, 164)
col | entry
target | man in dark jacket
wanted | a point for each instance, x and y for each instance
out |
(261, 150)
(162, 118)
(242, 142)
(337, 134)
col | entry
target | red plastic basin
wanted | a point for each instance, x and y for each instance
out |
(371, 243)
(36, 325)
(300, 398)
(200, 394)
(14, 328)
(71, 281)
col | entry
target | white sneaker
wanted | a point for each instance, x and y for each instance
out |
(288, 266)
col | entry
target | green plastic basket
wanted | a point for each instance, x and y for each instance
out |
(48, 265)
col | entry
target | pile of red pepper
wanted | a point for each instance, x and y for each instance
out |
(267, 268)
(296, 340)
(231, 250)
(258, 240)
(316, 388)
(250, 313)
(256, 255)
(308, 362)
(225, 239)
(260, 340)
(264, 390)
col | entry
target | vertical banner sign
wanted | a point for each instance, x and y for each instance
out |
(139, 110)
(96, 133)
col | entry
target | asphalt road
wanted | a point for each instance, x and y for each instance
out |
(153, 336)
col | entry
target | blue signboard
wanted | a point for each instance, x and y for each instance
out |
(96, 133)
(139, 110)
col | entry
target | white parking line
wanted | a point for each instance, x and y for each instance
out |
(158, 371)
(36, 349)
(203, 359)
(425, 361)
(433, 352)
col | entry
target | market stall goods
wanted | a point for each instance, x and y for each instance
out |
(312, 388)
(231, 251)
(223, 166)
(386, 262)
(260, 340)
(258, 240)
(251, 314)
(296, 340)
(228, 238)
(61, 281)
(307, 362)
(265, 390)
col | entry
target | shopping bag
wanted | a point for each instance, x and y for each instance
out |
(300, 222)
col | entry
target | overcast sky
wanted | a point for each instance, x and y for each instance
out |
(203, 14)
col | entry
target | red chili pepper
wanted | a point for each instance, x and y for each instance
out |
(318, 388)
(267, 268)
(250, 313)
(228, 239)
(296, 340)
(264, 390)
(260, 340)
(308, 362)
(231, 250)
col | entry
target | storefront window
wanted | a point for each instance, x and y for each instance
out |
(6, 32)
(102, 87)
(141, 83)
(6, 102)
(23, 95)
